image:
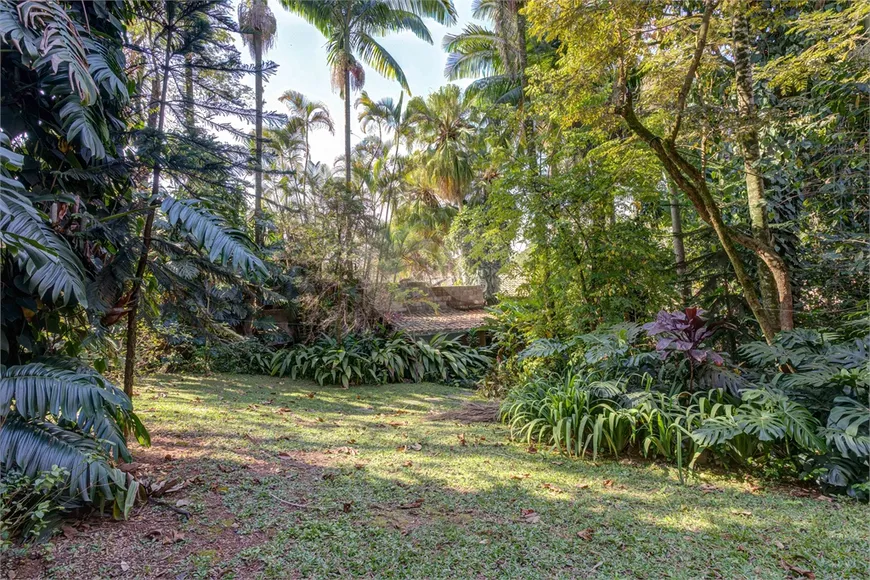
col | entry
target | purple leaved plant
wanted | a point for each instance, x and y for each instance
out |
(683, 333)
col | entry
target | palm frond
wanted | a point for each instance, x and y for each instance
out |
(52, 269)
(34, 446)
(224, 245)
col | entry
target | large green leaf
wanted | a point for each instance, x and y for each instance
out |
(51, 268)
(224, 245)
(34, 446)
(848, 427)
(84, 399)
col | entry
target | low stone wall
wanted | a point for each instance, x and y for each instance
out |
(460, 297)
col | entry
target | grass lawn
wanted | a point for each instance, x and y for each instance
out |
(291, 480)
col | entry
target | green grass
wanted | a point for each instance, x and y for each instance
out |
(343, 458)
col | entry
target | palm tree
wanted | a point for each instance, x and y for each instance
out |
(494, 57)
(389, 116)
(257, 25)
(444, 124)
(350, 27)
(306, 116)
(497, 58)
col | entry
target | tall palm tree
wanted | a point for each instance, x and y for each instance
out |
(391, 119)
(306, 116)
(494, 57)
(445, 126)
(497, 58)
(350, 28)
(257, 25)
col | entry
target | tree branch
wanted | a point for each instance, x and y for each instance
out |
(693, 68)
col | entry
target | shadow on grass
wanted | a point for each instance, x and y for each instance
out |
(466, 503)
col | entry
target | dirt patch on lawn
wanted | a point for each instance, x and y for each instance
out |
(153, 543)
(158, 541)
(471, 412)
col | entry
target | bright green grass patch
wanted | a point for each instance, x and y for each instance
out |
(359, 459)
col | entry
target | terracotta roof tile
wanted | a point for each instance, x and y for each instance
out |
(446, 320)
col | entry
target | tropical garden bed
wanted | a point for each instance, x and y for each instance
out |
(289, 479)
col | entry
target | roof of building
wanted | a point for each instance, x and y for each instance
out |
(445, 320)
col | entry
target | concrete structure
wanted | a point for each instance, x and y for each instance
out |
(429, 310)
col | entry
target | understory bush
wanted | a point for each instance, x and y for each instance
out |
(369, 358)
(798, 405)
(62, 433)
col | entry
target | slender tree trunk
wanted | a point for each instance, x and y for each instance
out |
(679, 248)
(528, 124)
(347, 126)
(130, 358)
(154, 105)
(776, 299)
(258, 162)
(305, 177)
(189, 121)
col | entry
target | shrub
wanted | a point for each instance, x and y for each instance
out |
(57, 414)
(368, 358)
(30, 507)
(246, 357)
(799, 403)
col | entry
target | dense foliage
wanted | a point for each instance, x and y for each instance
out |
(608, 161)
(377, 359)
(797, 406)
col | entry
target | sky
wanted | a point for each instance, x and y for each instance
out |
(301, 58)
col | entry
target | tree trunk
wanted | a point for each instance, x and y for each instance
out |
(528, 124)
(693, 183)
(347, 126)
(154, 104)
(775, 298)
(258, 162)
(189, 121)
(679, 248)
(130, 355)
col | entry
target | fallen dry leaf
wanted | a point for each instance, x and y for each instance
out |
(408, 464)
(530, 516)
(402, 448)
(585, 534)
(125, 567)
(173, 537)
(69, 532)
(346, 507)
(551, 487)
(523, 476)
(311, 395)
(709, 488)
(779, 544)
(182, 502)
(532, 449)
(462, 440)
(415, 446)
(802, 572)
(582, 486)
(413, 505)
(741, 513)
(608, 483)
(343, 450)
